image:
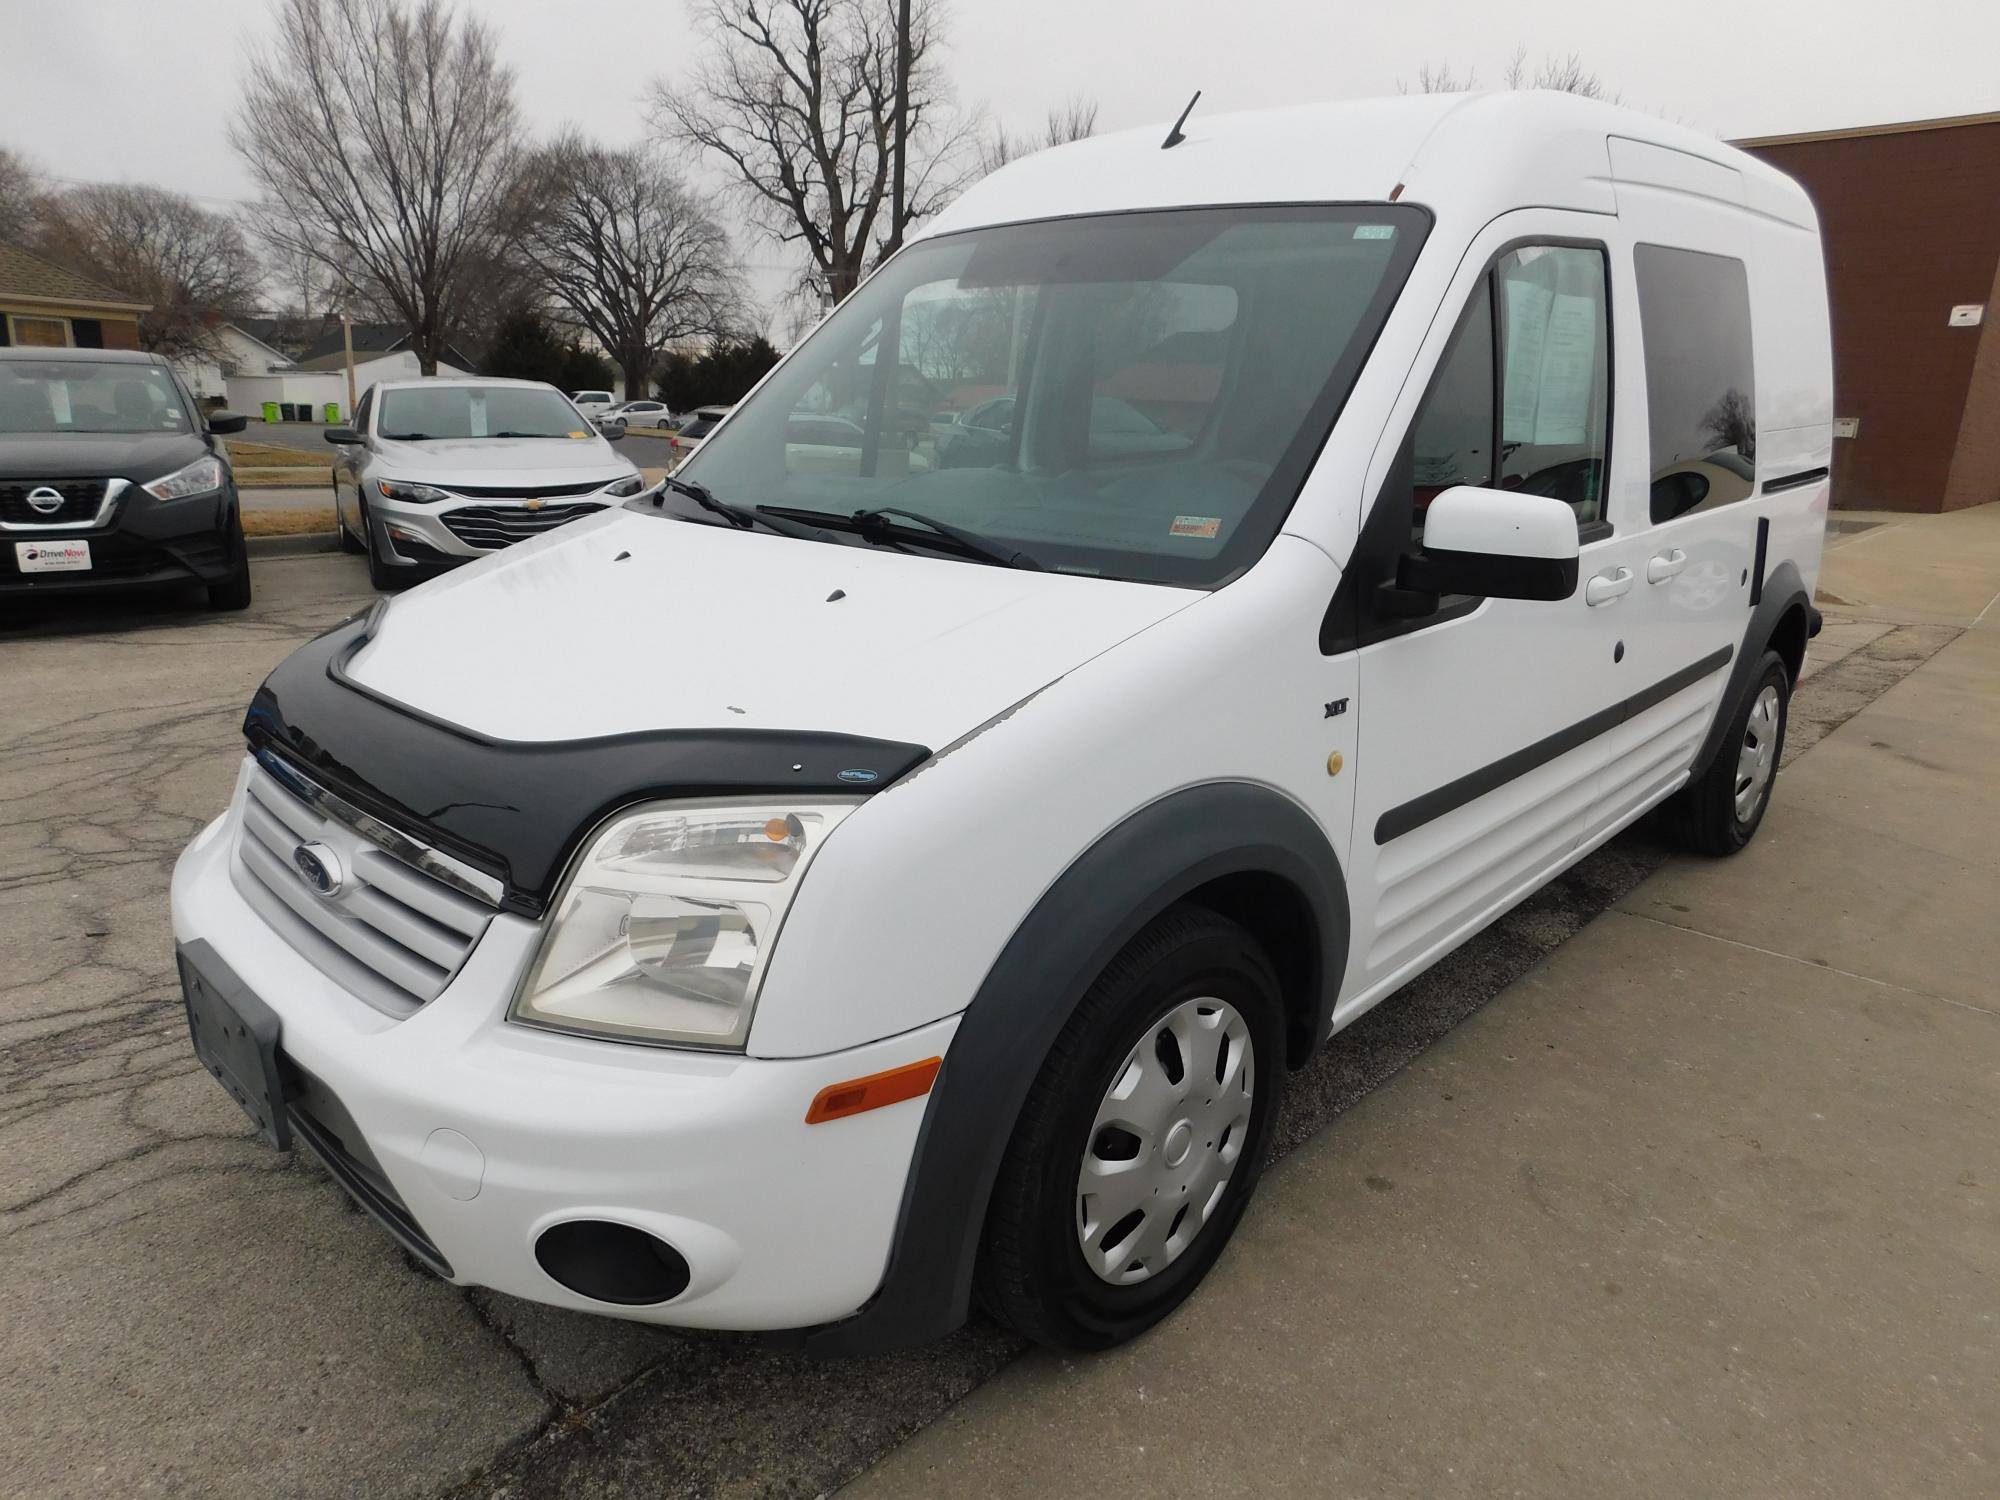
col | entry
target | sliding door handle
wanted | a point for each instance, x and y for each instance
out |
(1607, 586)
(1664, 565)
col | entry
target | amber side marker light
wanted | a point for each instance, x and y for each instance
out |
(859, 1095)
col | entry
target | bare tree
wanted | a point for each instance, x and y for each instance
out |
(194, 266)
(618, 240)
(1732, 423)
(21, 194)
(1073, 120)
(832, 118)
(384, 136)
(1565, 74)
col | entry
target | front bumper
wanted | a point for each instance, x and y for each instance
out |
(142, 543)
(489, 1134)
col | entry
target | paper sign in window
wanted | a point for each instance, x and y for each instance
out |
(1527, 326)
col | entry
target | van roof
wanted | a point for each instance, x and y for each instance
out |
(1465, 156)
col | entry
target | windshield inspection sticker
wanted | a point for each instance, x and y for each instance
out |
(1202, 526)
(1374, 231)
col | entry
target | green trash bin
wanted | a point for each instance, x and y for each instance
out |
(333, 413)
(270, 411)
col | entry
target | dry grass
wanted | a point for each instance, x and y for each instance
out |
(256, 455)
(283, 479)
(288, 522)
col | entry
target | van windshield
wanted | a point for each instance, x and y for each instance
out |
(1136, 395)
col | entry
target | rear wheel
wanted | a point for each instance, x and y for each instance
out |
(1718, 812)
(1142, 1139)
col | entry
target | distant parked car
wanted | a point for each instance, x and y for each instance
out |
(434, 473)
(110, 477)
(642, 413)
(593, 403)
(700, 422)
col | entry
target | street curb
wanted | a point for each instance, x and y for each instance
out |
(292, 546)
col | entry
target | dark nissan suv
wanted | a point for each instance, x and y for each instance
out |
(110, 477)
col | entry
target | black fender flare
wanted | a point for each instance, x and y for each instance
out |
(1137, 870)
(1783, 590)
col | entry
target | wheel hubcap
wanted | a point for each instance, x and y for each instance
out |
(1758, 757)
(1167, 1138)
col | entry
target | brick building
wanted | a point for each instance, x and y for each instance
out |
(45, 305)
(1911, 217)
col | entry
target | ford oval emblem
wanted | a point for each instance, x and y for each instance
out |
(321, 868)
(860, 778)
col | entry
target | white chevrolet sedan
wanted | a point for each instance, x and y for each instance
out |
(435, 473)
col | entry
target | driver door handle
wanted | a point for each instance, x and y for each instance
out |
(1664, 565)
(1607, 586)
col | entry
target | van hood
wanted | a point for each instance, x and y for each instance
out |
(629, 623)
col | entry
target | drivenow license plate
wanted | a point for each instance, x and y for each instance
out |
(52, 557)
(236, 1037)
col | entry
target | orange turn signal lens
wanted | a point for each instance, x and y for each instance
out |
(858, 1095)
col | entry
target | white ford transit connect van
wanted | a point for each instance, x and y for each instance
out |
(877, 884)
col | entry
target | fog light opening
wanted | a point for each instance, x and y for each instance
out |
(612, 1262)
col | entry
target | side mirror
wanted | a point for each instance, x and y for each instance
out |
(220, 422)
(610, 431)
(342, 435)
(1504, 544)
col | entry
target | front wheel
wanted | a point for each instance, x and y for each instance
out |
(384, 577)
(1718, 812)
(233, 590)
(1141, 1140)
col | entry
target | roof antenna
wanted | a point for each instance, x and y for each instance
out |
(1174, 136)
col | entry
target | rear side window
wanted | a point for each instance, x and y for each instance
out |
(1701, 395)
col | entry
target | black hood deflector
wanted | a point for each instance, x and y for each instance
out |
(518, 808)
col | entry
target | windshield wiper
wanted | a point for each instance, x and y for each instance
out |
(407, 437)
(531, 434)
(872, 525)
(737, 515)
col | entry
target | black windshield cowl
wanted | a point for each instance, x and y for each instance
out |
(874, 525)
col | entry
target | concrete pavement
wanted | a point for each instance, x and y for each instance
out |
(1707, 1203)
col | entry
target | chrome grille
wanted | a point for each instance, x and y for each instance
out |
(83, 501)
(493, 527)
(392, 934)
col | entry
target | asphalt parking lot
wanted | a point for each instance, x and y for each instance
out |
(188, 1313)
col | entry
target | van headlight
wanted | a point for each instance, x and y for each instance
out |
(665, 927)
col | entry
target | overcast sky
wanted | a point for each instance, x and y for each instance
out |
(139, 90)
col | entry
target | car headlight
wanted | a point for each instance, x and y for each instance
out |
(403, 489)
(665, 927)
(631, 484)
(202, 477)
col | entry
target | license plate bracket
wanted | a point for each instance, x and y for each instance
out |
(235, 1036)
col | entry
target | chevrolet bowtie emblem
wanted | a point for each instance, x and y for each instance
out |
(536, 504)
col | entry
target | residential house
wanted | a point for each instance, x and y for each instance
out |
(46, 305)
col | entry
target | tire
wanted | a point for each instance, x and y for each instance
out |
(383, 577)
(349, 542)
(233, 590)
(1719, 812)
(1034, 1271)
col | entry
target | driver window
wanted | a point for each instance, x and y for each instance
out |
(1541, 403)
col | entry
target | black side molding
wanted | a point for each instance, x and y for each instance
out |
(1796, 481)
(1132, 874)
(1453, 795)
